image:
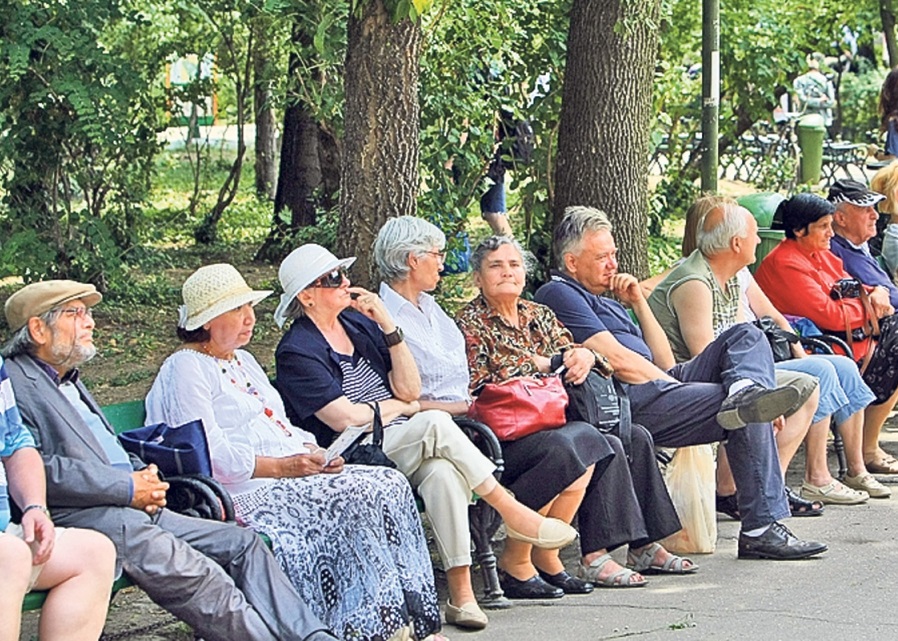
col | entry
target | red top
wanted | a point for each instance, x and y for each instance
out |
(798, 282)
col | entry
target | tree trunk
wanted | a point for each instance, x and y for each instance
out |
(606, 106)
(300, 176)
(887, 14)
(379, 176)
(266, 132)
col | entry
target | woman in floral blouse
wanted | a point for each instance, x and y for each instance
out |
(507, 336)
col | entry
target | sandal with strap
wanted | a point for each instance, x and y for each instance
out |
(803, 507)
(644, 562)
(623, 578)
(728, 505)
(885, 465)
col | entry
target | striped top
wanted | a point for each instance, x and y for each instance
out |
(13, 436)
(362, 384)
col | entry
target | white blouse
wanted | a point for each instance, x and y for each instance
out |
(242, 413)
(436, 343)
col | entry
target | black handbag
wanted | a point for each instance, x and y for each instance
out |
(604, 403)
(780, 340)
(370, 453)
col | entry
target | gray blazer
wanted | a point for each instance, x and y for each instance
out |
(81, 482)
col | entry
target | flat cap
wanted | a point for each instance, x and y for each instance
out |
(38, 298)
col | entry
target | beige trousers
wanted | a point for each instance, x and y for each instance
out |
(443, 466)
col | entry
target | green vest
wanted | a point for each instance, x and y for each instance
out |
(724, 308)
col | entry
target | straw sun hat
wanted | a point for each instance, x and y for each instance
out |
(300, 269)
(213, 290)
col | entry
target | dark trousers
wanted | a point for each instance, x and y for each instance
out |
(629, 502)
(685, 413)
(218, 578)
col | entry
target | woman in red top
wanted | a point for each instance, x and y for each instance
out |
(801, 276)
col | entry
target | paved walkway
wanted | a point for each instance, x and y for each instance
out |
(847, 593)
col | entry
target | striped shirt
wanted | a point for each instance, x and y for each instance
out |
(361, 384)
(13, 436)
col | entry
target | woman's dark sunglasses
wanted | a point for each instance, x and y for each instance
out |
(331, 280)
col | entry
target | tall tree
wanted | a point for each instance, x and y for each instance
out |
(379, 175)
(263, 109)
(605, 118)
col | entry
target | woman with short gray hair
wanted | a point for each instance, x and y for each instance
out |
(347, 356)
(401, 238)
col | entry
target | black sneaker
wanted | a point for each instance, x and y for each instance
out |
(756, 404)
(777, 543)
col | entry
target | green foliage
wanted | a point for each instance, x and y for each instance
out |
(79, 138)
(859, 103)
(467, 75)
(663, 251)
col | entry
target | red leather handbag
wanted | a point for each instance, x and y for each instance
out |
(521, 406)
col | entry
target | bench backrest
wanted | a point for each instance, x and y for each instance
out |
(125, 416)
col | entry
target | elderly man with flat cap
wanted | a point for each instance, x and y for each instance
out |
(218, 578)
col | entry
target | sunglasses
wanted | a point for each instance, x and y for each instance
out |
(332, 280)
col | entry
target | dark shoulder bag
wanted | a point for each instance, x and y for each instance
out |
(370, 453)
(602, 402)
(780, 340)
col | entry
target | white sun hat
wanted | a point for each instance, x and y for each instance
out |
(213, 290)
(300, 269)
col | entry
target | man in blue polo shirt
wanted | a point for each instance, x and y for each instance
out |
(726, 393)
(76, 565)
(854, 223)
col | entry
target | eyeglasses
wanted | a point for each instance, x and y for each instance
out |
(333, 280)
(75, 312)
(441, 255)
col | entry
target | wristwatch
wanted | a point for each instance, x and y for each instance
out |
(35, 506)
(394, 338)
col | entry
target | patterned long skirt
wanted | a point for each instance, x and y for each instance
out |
(353, 547)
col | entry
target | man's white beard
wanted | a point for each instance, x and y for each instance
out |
(71, 356)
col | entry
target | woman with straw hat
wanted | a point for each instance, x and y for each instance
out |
(349, 538)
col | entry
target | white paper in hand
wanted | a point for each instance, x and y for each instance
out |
(347, 437)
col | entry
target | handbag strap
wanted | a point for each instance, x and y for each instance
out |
(873, 322)
(625, 423)
(377, 425)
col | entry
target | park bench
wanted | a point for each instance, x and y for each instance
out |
(205, 498)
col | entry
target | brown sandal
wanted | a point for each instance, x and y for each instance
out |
(885, 465)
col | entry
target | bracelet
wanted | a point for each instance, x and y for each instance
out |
(35, 506)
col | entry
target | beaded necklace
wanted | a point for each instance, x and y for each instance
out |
(246, 385)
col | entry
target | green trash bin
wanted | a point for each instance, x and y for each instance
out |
(762, 206)
(770, 238)
(811, 132)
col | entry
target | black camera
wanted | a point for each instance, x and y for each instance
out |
(845, 288)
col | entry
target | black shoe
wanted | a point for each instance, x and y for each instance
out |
(777, 543)
(534, 588)
(569, 584)
(756, 404)
(729, 505)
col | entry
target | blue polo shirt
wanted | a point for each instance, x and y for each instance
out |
(13, 436)
(585, 314)
(859, 262)
(308, 369)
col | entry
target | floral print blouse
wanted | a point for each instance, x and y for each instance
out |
(497, 351)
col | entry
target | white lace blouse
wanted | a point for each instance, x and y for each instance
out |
(242, 413)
